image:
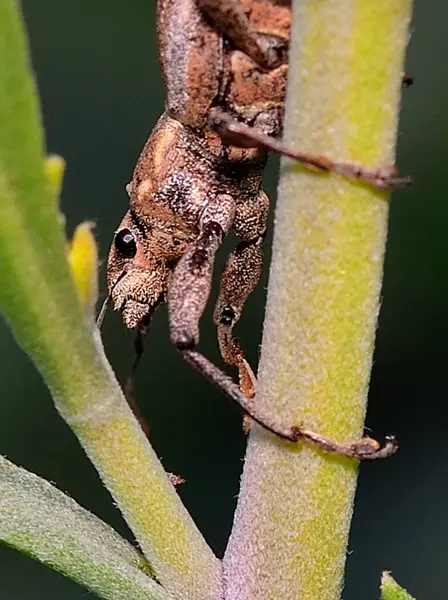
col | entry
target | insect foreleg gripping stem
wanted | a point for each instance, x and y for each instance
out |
(363, 449)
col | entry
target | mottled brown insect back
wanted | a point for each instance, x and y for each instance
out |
(199, 176)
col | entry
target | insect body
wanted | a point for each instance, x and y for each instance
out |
(225, 68)
(190, 187)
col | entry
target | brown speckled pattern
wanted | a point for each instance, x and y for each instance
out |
(195, 180)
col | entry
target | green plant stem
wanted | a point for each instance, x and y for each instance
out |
(291, 526)
(39, 300)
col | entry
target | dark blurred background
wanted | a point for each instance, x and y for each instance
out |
(101, 94)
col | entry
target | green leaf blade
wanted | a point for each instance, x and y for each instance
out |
(390, 590)
(39, 520)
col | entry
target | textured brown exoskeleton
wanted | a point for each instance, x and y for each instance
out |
(225, 68)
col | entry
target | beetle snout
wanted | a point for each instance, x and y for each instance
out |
(136, 294)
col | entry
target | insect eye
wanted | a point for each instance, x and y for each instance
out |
(125, 243)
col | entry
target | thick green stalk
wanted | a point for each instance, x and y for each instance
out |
(292, 522)
(39, 300)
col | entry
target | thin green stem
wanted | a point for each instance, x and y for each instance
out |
(39, 300)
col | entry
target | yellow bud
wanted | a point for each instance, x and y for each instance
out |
(54, 171)
(83, 260)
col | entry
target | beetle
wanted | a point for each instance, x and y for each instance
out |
(199, 176)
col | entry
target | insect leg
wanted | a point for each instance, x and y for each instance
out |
(363, 449)
(240, 276)
(230, 17)
(187, 295)
(238, 281)
(239, 134)
(189, 288)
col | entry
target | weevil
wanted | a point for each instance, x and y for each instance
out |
(199, 176)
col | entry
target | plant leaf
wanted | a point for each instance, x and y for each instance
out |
(41, 521)
(390, 590)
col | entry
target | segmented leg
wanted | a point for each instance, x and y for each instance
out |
(230, 17)
(268, 52)
(239, 134)
(364, 449)
(238, 281)
(190, 284)
(187, 295)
